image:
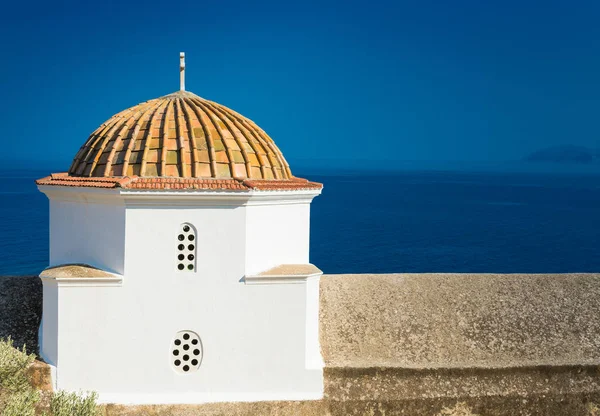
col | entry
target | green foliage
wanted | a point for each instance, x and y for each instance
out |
(13, 366)
(73, 404)
(17, 397)
(20, 403)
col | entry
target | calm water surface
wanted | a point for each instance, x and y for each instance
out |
(395, 222)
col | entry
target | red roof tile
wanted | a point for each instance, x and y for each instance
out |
(135, 182)
(180, 135)
(281, 185)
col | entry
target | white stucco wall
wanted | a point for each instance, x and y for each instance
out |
(88, 231)
(48, 334)
(277, 234)
(260, 342)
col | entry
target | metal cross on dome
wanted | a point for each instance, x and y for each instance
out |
(182, 71)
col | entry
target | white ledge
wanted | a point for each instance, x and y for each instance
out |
(80, 275)
(85, 281)
(284, 273)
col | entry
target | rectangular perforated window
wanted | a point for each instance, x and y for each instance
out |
(186, 248)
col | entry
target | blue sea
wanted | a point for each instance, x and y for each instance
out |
(404, 221)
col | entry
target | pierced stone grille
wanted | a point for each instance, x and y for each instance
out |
(186, 248)
(186, 352)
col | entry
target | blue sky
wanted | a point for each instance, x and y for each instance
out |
(342, 81)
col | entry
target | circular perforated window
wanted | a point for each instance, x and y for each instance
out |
(186, 352)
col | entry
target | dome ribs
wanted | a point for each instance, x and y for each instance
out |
(181, 147)
(114, 130)
(111, 154)
(184, 136)
(260, 156)
(85, 149)
(109, 170)
(210, 146)
(229, 158)
(285, 169)
(80, 162)
(192, 143)
(149, 109)
(238, 163)
(236, 133)
(148, 139)
(255, 142)
(166, 122)
(93, 150)
(259, 139)
(274, 159)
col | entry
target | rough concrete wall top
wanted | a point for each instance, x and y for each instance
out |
(460, 320)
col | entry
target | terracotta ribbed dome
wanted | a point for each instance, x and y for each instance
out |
(180, 135)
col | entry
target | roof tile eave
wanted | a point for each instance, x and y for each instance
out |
(177, 183)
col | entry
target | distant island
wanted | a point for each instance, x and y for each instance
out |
(565, 154)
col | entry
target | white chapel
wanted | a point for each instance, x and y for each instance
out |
(179, 262)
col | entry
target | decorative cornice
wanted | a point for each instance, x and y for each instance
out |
(216, 199)
(178, 198)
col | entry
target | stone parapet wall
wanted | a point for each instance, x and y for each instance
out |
(428, 321)
(421, 344)
(416, 344)
(393, 384)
